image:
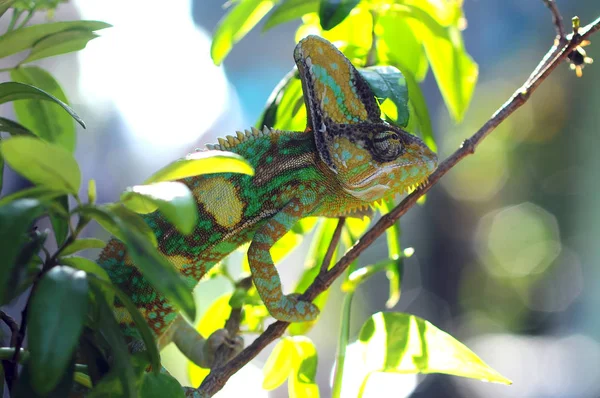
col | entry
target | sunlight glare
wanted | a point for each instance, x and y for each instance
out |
(154, 64)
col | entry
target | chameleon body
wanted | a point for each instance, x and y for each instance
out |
(347, 159)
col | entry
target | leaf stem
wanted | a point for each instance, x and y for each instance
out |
(343, 340)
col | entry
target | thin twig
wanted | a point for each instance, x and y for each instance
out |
(335, 238)
(556, 19)
(12, 325)
(10, 367)
(218, 377)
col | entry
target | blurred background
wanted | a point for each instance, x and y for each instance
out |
(506, 247)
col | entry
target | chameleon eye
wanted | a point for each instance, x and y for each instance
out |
(387, 145)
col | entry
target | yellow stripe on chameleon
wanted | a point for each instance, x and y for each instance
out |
(220, 200)
(332, 80)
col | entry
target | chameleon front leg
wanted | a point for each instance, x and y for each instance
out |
(194, 346)
(264, 274)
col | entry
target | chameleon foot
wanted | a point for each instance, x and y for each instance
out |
(202, 351)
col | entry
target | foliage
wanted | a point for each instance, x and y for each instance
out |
(40, 144)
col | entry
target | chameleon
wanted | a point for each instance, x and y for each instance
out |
(346, 160)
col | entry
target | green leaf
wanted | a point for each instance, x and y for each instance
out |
(279, 365)
(5, 5)
(60, 43)
(132, 220)
(242, 17)
(60, 223)
(388, 82)
(13, 91)
(333, 12)
(15, 220)
(26, 387)
(105, 217)
(52, 338)
(157, 269)
(83, 244)
(287, 110)
(24, 38)
(455, 71)
(174, 200)
(205, 162)
(269, 115)
(160, 385)
(1, 169)
(122, 367)
(407, 54)
(290, 10)
(401, 343)
(90, 267)
(303, 384)
(138, 319)
(419, 122)
(42, 163)
(45, 118)
(40, 193)
(13, 127)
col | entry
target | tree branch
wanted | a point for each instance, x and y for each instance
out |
(556, 19)
(558, 53)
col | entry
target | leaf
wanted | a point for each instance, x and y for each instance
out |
(214, 318)
(83, 244)
(455, 71)
(42, 163)
(60, 43)
(160, 385)
(303, 384)
(174, 200)
(45, 118)
(157, 269)
(14, 128)
(24, 38)
(122, 367)
(290, 10)
(13, 91)
(279, 364)
(407, 54)
(15, 220)
(26, 388)
(1, 169)
(401, 343)
(105, 215)
(205, 162)
(52, 338)
(242, 17)
(138, 319)
(4, 6)
(90, 267)
(388, 82)
(40, 193)
(60, 222)
(419, 122)
(333, 12)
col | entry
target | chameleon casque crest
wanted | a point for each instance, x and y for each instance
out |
(347, 159)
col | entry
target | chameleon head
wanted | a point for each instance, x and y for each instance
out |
(376, 160)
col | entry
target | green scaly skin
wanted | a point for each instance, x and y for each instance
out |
(345, 161)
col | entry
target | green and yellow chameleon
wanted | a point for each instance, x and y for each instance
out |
(347, 159)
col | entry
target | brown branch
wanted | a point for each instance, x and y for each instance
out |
(335, 238)
(556, 19)
(219, 376)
